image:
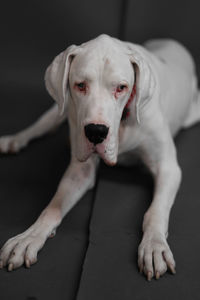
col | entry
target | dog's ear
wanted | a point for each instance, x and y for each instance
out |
(56, 76)
(145, 80)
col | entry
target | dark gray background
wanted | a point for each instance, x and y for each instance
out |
(94, 254)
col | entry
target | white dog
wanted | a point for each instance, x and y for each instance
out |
(118, 97)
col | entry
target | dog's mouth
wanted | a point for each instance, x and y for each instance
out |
(106, 154)
(106, 150)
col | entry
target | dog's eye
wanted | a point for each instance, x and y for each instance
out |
(121, 88)
(81, 86)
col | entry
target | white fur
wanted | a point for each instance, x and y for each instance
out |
(166, 100)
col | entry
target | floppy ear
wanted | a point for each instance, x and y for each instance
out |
(145, 81)
(56, 76)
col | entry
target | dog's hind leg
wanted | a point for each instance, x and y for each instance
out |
(48, 121)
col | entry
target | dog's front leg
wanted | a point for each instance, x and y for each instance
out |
(48, 121)
(154, 254)
(24, 247)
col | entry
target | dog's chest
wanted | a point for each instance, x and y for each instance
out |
(130, 137)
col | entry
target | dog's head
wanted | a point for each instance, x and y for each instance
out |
(95, 82)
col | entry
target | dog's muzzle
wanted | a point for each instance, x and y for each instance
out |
(96, 133)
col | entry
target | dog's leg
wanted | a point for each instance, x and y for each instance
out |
(154, 254)
(48, 121)
(23, 248)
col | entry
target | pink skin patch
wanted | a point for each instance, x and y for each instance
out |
(126, 111)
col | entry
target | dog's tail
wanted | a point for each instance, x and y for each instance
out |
(193, 115)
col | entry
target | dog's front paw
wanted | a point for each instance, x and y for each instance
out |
(12, 143)
(155, 256)
(23, 248)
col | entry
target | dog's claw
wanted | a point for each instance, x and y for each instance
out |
(10, 267)
(27, 263)
(172, 269)
(157, 275)
(53, 233)
(149, 275)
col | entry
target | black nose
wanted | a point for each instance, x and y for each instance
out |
(96, 133)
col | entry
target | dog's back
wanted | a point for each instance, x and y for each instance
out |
(177, 76)
(171, 52)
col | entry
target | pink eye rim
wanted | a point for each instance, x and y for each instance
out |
(121, 88)
(81, 86)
